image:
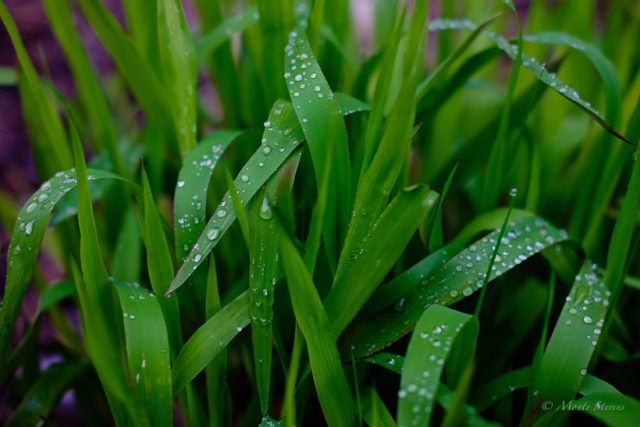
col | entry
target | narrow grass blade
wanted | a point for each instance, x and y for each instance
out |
(127, 261)
(213, 39)
(488, 394)
(179, 71)
(147, 350)
(457, 279)
(142, 80)
(43, 397)
(160, 266)
(574, 338)
(142, 27)
(374, 412)
(534, 67)
(46, 117)
(374, 256)
(281, 138)
(263, 271)
(191, 191)
(319, 115)
(89, 91)
(330, 380)
(25, 246)
(209, 340)
(435, 332)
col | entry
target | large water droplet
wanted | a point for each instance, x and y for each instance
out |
(213, 233)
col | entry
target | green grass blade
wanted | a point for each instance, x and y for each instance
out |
(237, 206)
(142, 80)
(487, 394)
(330, 380)
(43, 397)
(191, 191)
(46, 118)
(179, 71)
(25, 247)
(160, 266)
(457, 279)
(127, 261)
(319, 115)
(374, 256)
(263, 271)
(213, 39)
(536, 68)
(435, 332)
(209, 340)
(147, 350)
(374, 412)
(89, 91)
(613, 410)
(143, 30)
(574, 338)
(281, 138)
(392, 292)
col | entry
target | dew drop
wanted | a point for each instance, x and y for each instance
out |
(222, 213)
(212, 234)
(587, 320)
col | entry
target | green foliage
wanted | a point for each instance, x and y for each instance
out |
(382, 240)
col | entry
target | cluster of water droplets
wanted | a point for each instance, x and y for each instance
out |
(530, 63)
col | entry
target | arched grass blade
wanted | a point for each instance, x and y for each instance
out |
(349, 105)
(455, 280)
(615, 410)
(263, 271)
(25, 245)
(434, 335)
(209, 42)
(191, 191)
(281, 137)
(147, 350)
(374, 256)
(319, 115)
(43, 397)
(534, 67)
(179, 71)
(329, 378)
(574, 338)
(209, 340)
(487, 394)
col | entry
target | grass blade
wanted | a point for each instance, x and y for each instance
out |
(179, 71)
(263, 251)
(374, 256)
(435, 332)
(330, 380)
(147, 350)
(213, 39)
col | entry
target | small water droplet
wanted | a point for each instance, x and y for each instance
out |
(212, 234)
(587, 320)
(222, 213)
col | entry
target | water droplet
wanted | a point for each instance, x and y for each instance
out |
(222, 213)
(180, 184)
(513, 192)
(212, 234)
(28, 228)
(399, 305)
(244, 178)
(265, 210)
(587, 320)
(266, 150)
(31, 207)
(197, 258)
(298, 77)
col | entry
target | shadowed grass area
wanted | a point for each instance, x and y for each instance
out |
(382, 213)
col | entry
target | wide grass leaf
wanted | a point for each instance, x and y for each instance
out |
(147, 350)
(434, 335)
(459, 278)
(329, 378)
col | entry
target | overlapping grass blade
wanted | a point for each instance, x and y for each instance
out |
(160, 266)
(25, 245)
(534, 67)
(43, 397)
(209, 340)
(379, 178)
(179, 71)
(330, 380)
(457, 279)
(281, 137)
(89, 91)
(374, 256)
(434, 334)
(147, 350)
(213, 39)
(142, 79)
(574, 339)
(319, 115)
(614, 410)
(52, 134)
(263, 271)
(374, 412)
